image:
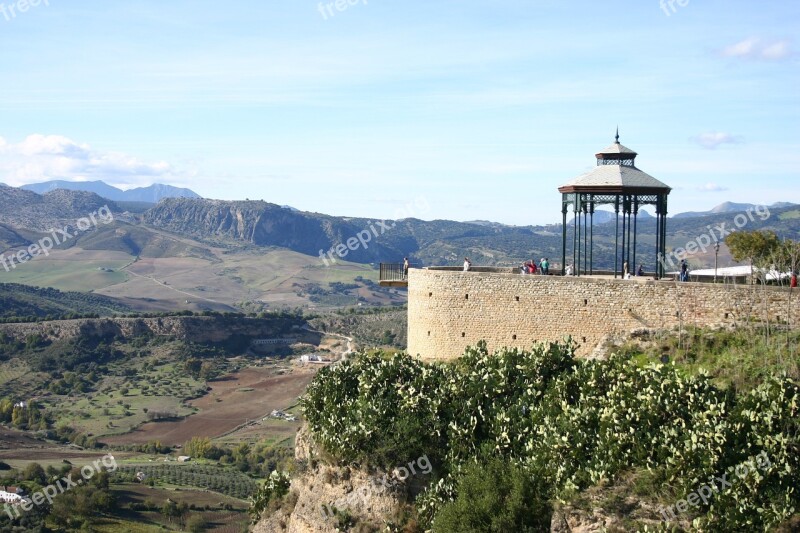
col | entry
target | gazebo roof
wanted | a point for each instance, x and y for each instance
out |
(615, 149)
(616, 173)
(614, 178)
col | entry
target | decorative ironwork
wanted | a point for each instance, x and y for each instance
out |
(627, 162)
(627, 200)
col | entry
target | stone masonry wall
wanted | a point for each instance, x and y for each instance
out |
(448, 311)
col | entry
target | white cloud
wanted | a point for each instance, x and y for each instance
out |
(777, 50)
(49, 157)
(713, 140)
(755, 48)
(712, 187)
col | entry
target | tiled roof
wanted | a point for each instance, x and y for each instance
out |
(616, 176)
(617, 148)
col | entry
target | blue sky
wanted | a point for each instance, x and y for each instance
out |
(481, 108)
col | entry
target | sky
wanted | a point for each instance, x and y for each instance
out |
(470, 109)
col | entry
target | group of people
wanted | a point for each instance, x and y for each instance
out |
(626, 274)
(530, 267)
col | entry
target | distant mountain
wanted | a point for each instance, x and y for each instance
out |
(439, 242)
(157, 192)
(247, 224)
(604, 217)
(152, 194)
(729, 207)
(487, 223)
(42, 212)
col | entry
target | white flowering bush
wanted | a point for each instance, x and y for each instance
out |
(571, 423)
(274, 488)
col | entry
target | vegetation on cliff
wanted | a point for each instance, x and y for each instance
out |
(569, 425)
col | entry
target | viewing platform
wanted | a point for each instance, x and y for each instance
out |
(393, 275)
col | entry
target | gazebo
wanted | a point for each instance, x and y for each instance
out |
(615, 181)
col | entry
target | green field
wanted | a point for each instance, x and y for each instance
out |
(67, 275)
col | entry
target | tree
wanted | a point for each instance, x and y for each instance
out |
(788, 256)
(197, 524)
(169, 510)
(34, 472)
(198, 447)
(753, 246)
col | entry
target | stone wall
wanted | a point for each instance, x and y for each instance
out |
(448, 310)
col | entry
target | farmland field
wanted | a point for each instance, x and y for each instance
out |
(179, 277)
(246, 396)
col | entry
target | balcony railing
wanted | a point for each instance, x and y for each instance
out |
(393, 273)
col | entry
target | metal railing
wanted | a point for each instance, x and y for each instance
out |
(393, 272)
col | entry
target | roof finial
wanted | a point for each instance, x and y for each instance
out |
(617, 137)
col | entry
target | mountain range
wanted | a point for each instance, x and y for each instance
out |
(152, 194)
(730, 207)
(262, 225)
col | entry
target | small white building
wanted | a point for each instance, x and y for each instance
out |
(736, 274)
(11, 495)
(313, 359)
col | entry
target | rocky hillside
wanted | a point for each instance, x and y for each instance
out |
(21, 209)
(266, 224)
(262, 224)
(426, 242)
(322, 487)
(430, 242)
(198, 329)
(365, 503)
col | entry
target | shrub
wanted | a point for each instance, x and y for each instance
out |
(495, 498)
(568, 424)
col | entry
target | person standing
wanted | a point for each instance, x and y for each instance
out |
(405, 268)
(625, 270)
(467, 264)
(793, 283)
(684, 270)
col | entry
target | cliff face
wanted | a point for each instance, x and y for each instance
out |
(265, 224)
(612, 507)
(321, 487)
(195, 328)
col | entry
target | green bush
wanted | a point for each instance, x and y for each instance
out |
(568, 424)
(496, 497)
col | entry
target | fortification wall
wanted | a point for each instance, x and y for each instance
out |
(448, 311)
